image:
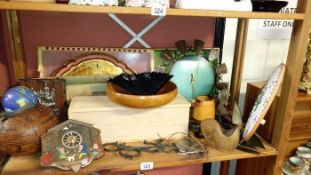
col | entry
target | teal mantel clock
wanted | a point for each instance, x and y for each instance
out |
(194, 76)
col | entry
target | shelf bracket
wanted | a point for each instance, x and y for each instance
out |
(136, 37)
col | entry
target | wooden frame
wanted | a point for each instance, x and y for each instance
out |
(294, 63)
(55, 57)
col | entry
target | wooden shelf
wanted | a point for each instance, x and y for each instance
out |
(303, 97)
(34, 6)
(114, 163)
(301, 114)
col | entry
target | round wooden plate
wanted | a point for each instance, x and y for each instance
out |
(264, 101)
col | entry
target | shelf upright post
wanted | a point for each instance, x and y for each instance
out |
(238, 62)
(237, 70)
(286, 105)
(16, 44)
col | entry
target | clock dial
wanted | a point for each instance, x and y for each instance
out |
(71, 139)
(194, 76)
(263, 101)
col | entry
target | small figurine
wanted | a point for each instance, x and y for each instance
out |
(47, 158)
(95, 150)
(62, 153)
(71, 158)
(82, 151)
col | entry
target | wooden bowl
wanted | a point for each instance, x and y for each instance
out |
(118, 95)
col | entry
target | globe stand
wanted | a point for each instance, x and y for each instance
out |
(5, 115)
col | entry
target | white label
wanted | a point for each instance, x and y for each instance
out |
(146, 166)
(277, 29)
(158, 11)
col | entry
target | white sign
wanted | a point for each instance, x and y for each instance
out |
(158, 11)
(146, 166)
(277, 29)
(158, 7)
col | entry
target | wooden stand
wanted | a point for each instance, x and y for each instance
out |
(300, 132)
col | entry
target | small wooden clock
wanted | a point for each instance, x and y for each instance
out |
(71, 145)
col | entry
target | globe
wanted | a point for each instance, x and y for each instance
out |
(18, 98)
(194, 76)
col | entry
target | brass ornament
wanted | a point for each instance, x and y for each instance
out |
(94, 67)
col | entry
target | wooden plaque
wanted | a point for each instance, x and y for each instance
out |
(51, 92)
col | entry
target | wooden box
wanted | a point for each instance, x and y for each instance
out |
(252, 90)
(300, 131)
(119, 123)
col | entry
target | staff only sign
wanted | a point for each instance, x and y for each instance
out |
(277, 29)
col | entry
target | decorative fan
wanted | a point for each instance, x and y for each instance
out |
(148, 83)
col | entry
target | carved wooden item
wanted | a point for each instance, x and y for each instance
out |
(219, 138)
(20, 135)
(71, 145)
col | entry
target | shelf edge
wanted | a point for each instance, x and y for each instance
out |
(51, 7)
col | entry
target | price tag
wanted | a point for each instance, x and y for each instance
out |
(158, 10)
(146, 166)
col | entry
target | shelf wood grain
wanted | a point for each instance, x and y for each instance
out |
(52, 7)
(112, 162)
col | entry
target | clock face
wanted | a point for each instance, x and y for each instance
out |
(263, 101)
(71, 139)
(194, 76)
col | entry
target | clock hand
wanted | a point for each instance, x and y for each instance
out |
(193, 79)
(192, 84)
